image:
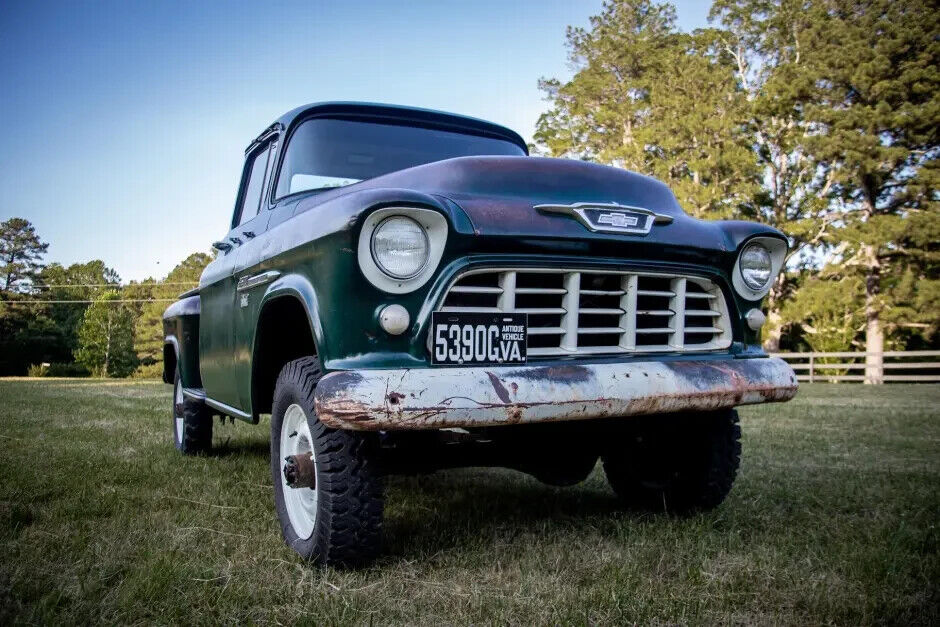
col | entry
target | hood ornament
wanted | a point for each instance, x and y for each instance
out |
(609, 217)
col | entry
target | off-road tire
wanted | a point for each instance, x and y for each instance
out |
(192, 436)
(348, 525)
(677, 463)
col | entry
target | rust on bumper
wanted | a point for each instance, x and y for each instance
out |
(433, 398)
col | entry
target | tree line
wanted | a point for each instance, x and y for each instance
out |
(79, 319)
(818, 117)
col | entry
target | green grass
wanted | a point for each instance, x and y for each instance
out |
(833, 519)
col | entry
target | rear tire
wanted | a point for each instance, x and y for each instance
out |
(192, 422)
(339, 520)
(679, 464)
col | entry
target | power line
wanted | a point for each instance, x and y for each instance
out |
(88, 302)
(108, 285)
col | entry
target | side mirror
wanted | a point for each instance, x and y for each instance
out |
(222, 246)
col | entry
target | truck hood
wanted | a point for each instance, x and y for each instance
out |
(499, 195)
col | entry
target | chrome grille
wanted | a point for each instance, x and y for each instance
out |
(600, 311)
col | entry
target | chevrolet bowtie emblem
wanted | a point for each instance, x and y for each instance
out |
(610, 217)
(618, 219)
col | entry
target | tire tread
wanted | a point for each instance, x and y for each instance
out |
(348, 530)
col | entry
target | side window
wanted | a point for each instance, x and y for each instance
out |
(254, 189)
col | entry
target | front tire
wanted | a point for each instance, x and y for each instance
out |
(680, 463)
(192, 422)
(339, 520)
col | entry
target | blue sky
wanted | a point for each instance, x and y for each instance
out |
(124, 123)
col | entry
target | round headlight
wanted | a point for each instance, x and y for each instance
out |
(755, 266)
(400, 247)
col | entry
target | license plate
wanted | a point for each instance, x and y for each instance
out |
(478, 339)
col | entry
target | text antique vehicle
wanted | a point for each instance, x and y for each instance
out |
(405, 290)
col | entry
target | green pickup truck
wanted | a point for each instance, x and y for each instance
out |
(406, 290)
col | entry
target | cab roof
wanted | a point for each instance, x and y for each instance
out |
(409, 116)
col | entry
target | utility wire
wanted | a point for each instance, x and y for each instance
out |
(56, 302)
(108, 285)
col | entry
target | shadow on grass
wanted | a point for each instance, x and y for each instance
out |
(456, 509)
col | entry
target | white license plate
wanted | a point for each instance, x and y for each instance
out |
(478, 339)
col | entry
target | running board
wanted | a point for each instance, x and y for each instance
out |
(196, 394)
(199, 394)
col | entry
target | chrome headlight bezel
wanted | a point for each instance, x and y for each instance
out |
(426, 253)
(434, 226)
(777, 249)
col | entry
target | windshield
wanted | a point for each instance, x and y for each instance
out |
(324, 153)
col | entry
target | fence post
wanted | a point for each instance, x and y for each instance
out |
(811, 360)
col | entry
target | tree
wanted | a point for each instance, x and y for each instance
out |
(71, 285)
(830, 312)
(21, 252)
(764, 39)
(27, 336)
(874, 106)
(148, 342)
(106, 337)
(651, 99)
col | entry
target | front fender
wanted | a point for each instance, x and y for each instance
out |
(181, 339)
(298, 287)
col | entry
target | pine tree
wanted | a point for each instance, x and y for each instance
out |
(106, 337)
(874, 84)
(21, 252)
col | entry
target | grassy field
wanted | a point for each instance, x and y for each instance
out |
(833, 520)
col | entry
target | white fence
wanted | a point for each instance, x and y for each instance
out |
(910, 366)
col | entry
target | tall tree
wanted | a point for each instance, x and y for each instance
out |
(874, 70)
(27, 335)
(21, 253)
(106, 337)
(764, 38)
(652, 99)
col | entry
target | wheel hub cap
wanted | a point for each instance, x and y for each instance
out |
(297, 445)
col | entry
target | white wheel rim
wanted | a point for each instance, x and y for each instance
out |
(301, 503)
(178, 411)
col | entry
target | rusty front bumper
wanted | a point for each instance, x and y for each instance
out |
(466, 397)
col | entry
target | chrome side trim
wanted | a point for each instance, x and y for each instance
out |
(248, 282)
